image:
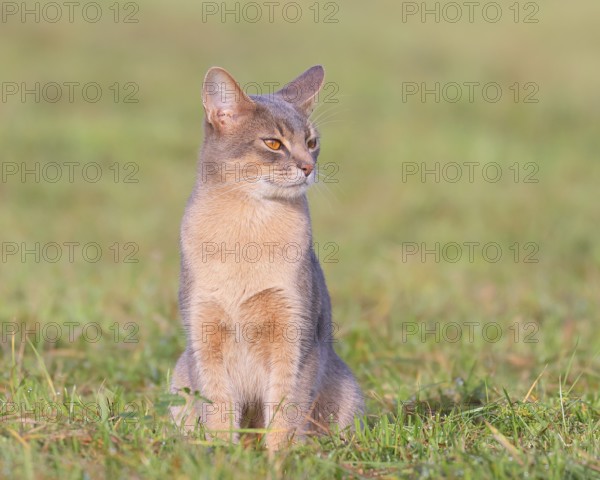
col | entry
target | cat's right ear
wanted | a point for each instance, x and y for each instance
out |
(225, 104)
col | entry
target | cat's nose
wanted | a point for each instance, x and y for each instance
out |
(307, 168)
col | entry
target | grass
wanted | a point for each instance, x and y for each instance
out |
(516, 396)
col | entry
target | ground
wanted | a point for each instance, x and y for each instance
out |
(459, 236)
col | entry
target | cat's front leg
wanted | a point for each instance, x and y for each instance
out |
(280, 351)
(220, 415)
(218, 410)
(283, 408)
(293, 375)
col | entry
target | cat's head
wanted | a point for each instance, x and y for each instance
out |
(264, 144)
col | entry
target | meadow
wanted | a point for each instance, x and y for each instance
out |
(457, 221)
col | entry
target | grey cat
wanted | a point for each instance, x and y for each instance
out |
(259, 333)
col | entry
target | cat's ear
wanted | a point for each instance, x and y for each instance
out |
(225, 104)
(303, 91)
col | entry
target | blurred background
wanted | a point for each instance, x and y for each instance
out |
(528, 108)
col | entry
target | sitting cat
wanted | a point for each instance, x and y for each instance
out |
(259, 333)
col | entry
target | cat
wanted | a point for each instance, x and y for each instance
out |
(258, 318)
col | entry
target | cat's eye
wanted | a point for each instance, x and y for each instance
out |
(312, 143)
(273, 144)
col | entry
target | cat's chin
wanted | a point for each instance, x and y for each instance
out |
(283, 192)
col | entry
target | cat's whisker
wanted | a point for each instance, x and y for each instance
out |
(317, 108)
(337, 185)
(330, 112)
(325, 111)
(321, 105)
(322, 108)
(328, 184)
(330, 103)
(322, 190)
(328, 116)
(327, 122)
(327, 180)
(323, 185)
(316, 188)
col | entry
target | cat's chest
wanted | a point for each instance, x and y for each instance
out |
(245, 251)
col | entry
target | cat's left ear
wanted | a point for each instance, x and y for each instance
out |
(302, 91)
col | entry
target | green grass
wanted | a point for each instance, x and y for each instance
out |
(522, 404)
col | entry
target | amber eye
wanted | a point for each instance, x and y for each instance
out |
(312, 143)
(273, 144)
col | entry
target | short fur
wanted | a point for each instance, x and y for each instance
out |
(258, 318)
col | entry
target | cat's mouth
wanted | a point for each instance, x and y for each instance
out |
(286, 190)
(301, 182)
(290, 186)
(287, 184)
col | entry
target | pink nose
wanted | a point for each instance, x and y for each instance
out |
(307, 168)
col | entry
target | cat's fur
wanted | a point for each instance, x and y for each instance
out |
(259, 333)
